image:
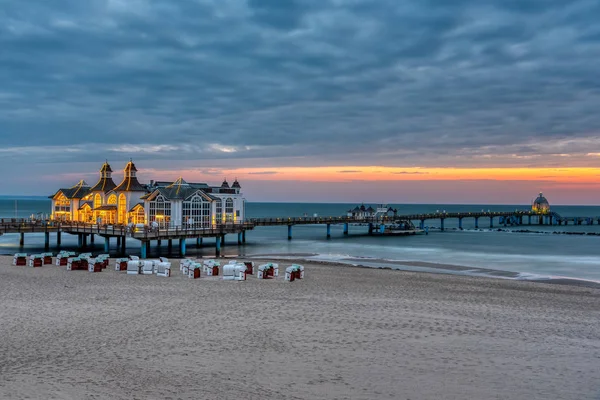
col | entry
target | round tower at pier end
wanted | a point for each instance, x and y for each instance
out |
(540, 205)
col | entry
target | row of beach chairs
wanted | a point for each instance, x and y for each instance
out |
(233, 270)
(237, 270)
(86, 261)
(134, 266)
(33, 260)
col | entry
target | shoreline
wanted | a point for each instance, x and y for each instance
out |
(432, 268)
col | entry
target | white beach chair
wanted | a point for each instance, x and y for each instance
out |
(134, 267)
(194, 270)
(147, 267)
(163, 269)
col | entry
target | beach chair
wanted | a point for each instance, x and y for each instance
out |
(299, 271)
(147, 267)
(290, 274)
(163, 269)
(36, 260)
(249, 267)
(211, 267)
(234, 272)
(47, 258)
(121, 264)
(268, 271)
(134, 267)
(104, 258)
(95, 265)
(194, 270)
(20, 259)
(73, 263)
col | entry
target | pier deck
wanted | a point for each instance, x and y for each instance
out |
(148, 234)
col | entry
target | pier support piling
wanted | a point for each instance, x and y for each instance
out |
(92, 238)
(58, 238)
(370, 228)
(328, 231)
(123, 244)
(158, 242)
(22, 240)
(529, 219)
(243, 236)
(170, 245)
(46, 240)
(79, 240)
(182, 247)
(106, 244)
(223, 240)
(239, 238)
(382, 228)
(460, 224)
(442, 224)
(84, 240)
(491, 222)
(289, 232)
(145, 246)
(422, 224)
(199, 241)
(346, 228)
(118, 241)
(218, 246)
(476, 222)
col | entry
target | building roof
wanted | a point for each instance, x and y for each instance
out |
(85, 203)
(236, 184)
(541, 200)
(106, 167)
(79, 191)
(130, 182)
(225, 185)
(178, 190)
(105, 183)
(130, 166)
(135, 206)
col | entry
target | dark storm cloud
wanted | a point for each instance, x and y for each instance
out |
(346, 82)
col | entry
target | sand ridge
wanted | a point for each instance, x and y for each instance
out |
(343, 332)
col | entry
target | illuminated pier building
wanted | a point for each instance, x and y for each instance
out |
(540, 205)
(169, 204)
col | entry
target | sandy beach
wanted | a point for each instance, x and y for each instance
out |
(342, 333)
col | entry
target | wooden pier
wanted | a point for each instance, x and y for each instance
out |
(148, 234)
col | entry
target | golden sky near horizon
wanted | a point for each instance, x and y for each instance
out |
(379, 173)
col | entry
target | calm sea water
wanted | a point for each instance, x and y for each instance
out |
(528, 255)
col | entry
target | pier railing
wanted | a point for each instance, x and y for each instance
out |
(149, 233)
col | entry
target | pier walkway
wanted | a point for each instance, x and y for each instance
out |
(147, 234)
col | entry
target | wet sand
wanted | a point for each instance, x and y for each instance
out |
(343, 332)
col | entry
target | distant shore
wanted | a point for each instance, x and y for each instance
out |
(342, 332)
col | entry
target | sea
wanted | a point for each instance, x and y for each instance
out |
(542, 253)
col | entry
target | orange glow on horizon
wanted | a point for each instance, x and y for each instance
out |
(377, 173)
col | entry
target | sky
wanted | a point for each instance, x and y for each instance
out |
(413, 101)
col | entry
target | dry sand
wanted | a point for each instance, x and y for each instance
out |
(341, 333)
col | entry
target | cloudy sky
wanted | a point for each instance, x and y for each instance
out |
(324, 100)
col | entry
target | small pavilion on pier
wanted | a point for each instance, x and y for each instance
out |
(540, 205)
